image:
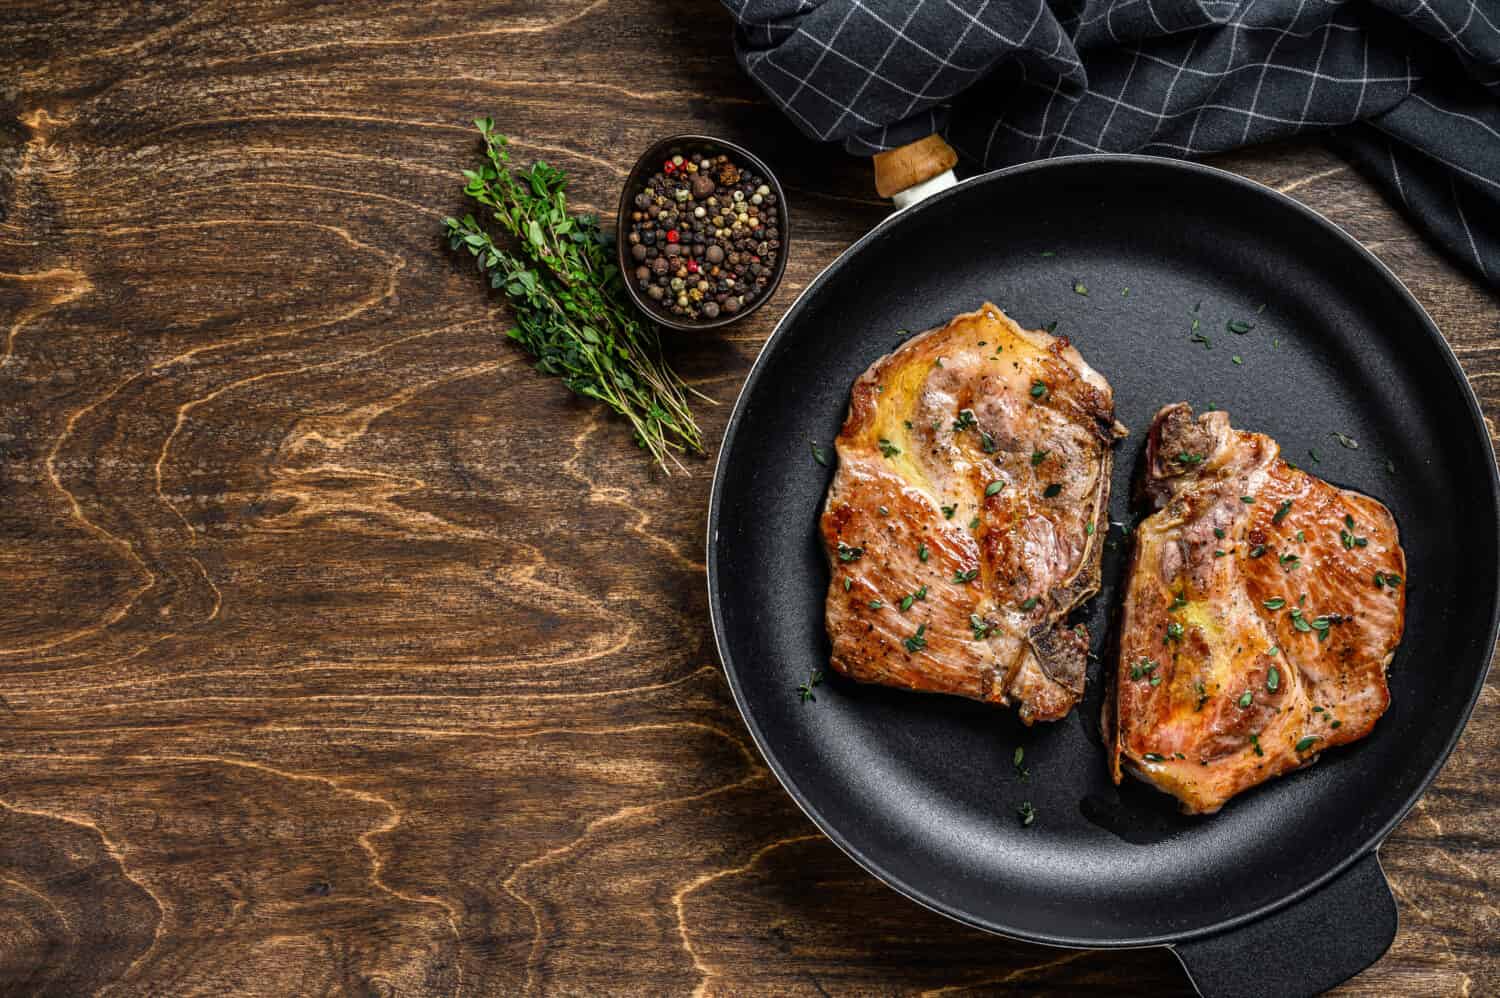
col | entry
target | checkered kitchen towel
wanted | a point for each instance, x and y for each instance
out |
(1412, 87)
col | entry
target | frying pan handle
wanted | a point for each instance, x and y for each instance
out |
(915, 171)
(1304, 949)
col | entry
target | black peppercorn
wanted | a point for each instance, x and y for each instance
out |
(725, 237)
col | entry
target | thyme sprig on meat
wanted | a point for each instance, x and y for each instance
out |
(569, 300)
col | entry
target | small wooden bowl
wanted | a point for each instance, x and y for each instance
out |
(649, 163)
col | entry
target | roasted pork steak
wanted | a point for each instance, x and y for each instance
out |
(1262, 610)
(968, 513)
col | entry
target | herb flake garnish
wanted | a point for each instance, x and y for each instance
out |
(847, 553)
(1345, 440)
(1038, 390)
(1273, 679)
(1029, 603)
(917, 641)
(819, 454)
(993, 487)
(1038, 456)
(1246, 699)
(1026, 812)
(959, 578)
(965, 420)
(1282, 511)
(1051, 491)
(1274, 603)
(887, 448)
(1239, 326)
(805, 691)
(1306, 743)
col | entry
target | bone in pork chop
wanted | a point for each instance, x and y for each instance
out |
(1262, 609)
(968, 513)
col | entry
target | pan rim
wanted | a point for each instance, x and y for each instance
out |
(910, 891)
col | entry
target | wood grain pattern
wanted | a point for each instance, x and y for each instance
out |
(343, 654)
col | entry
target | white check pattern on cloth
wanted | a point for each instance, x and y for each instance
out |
(1409, 86)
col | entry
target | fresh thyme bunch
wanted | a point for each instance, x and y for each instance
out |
(569, 301)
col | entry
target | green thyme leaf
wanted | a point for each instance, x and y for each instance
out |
(568, 298)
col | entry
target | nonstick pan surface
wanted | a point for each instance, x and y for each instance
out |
(921, 790)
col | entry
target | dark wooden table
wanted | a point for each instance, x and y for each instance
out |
(344, 654)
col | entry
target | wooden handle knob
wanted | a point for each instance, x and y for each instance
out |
(898, 169)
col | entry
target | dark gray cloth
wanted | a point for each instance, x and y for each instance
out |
(1411, 87)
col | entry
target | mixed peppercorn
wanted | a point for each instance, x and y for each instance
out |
(704, 237)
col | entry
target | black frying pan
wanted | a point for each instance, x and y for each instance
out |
(1281, 893)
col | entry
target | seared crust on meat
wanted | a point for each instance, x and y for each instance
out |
(968, 515)
(1262, 610)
